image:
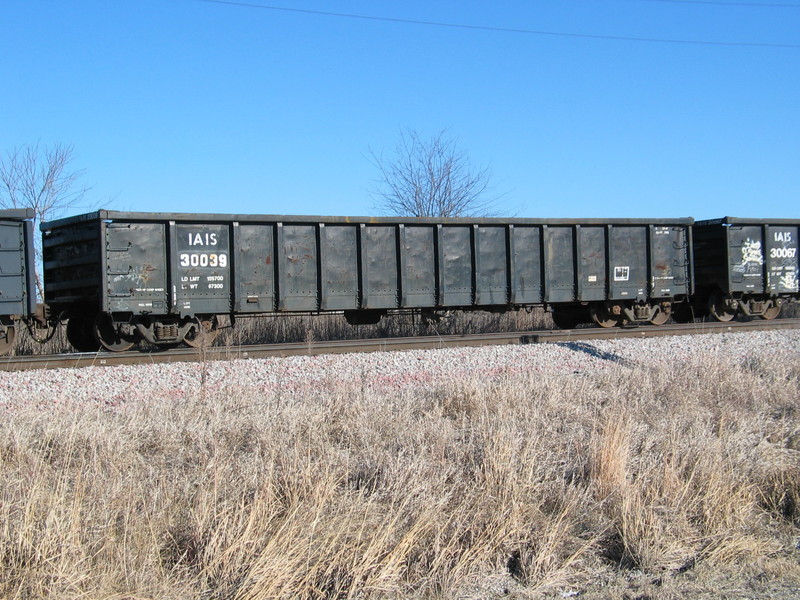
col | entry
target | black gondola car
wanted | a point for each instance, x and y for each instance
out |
(17, 283)
(745, 266)
(165, 277)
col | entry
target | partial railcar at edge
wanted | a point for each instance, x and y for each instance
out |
(17, 281)
(121, 277)
(745, 266)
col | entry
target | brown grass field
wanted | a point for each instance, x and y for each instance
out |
(637, 483)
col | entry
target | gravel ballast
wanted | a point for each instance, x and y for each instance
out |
(380, 372)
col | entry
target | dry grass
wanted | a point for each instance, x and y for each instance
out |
(514, 487)
(287, 328)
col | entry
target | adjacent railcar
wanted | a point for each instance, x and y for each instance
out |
(17, 281)
(745, 267)
(166, 278)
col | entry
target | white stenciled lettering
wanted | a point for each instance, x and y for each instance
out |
(783, 236)
(783, 252)
(202, 259)
(202, 239)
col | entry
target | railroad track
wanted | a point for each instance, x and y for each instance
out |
(107, 359)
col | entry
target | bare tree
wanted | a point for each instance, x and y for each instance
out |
(40, 178)
(429, 178)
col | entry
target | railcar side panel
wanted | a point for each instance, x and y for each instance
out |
(559, 264)
(628, 257)
(456, 253)
(526, 265)
(135, 268)
(782, 259)
(379, 260)
(297, 267)
(491, 265)
(254, 265)
(745, 265)
(339, 267)
(418, 266)
(17, 287)
(202, 268)
(669, 261)
(592, 266)
(12, 267)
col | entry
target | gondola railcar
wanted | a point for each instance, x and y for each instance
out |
(122, 277)
(746, 267)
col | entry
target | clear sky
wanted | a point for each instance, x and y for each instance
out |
(205, 106)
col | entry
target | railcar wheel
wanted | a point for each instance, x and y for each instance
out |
(602, 317)
(205, 333)
(108, 336)
(720, 309)
(7, 339)
(771, 313)
(661, 317)
(80, 333)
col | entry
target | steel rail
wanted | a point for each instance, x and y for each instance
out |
(107, 359)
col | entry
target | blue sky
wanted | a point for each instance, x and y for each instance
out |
(198, 106)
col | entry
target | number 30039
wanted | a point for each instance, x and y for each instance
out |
(203, 260)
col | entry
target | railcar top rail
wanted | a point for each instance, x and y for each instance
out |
(746, 221)
(122, 216)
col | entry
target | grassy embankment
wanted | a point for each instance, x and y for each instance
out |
(652, 480)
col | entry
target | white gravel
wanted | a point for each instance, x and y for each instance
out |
(388, 371)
